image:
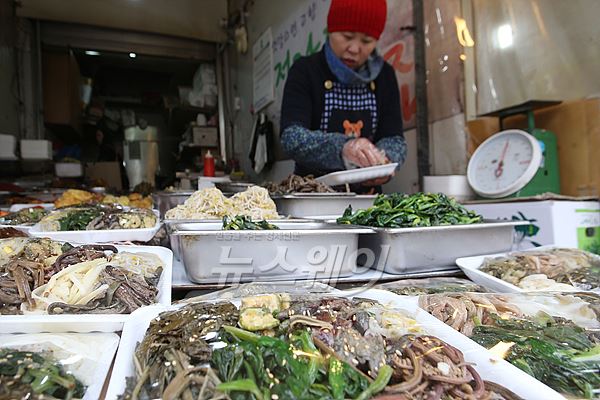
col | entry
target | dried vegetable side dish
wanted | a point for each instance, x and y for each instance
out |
(554, 269)
(553, 349)
(417, 210)
(276, 347)
(44, 276)
(26, 216)
(414, 287)
(298, 184)
(97, 218)
(210, 203)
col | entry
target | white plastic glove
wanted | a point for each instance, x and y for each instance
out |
(362, 153)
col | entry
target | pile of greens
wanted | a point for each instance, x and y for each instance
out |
(263, 368)
(554, 351)
(78, 220)
(26, 375)
(402, 210)
(243, 222)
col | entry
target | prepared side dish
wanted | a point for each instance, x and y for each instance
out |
(554, 269)
(277, 347)
(25, 217)
(398, 210)
(554, 338)
(210, 203)
(83, 218)
(44, 276)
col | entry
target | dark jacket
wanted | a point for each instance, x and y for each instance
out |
(314, 109)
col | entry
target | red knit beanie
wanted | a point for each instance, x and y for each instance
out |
(366, 16)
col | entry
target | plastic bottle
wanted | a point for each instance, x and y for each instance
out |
(209, 164)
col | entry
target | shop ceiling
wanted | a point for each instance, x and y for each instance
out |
(193, 19)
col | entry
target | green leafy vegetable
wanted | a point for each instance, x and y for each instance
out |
(401, 210)
(78, 220)
(243, 222)
(23, 373)
(555, 352)
(258, 367)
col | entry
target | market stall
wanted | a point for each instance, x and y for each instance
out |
(299, 200)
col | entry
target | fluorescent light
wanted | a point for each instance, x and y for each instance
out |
(505, 36)
(132, 55)
(92, 53)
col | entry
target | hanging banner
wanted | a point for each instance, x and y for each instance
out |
(262, 71)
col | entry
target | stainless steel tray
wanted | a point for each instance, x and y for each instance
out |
(298, 250)
(322, 205)
(164, 201)
(412, 250)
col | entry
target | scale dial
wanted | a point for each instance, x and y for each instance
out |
(504, 163)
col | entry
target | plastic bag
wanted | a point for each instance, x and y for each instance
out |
(54, 362)
(411, 287)
(553, 337)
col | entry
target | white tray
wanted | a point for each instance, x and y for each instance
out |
(19, 207)
(109, 347)
(470, 266)
(357, 175)
(82, 323)
(99, 236)
(490, 368)
(23, 228)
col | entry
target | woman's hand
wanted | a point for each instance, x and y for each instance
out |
(362, 153)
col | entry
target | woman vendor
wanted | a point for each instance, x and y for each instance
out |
(341, 106)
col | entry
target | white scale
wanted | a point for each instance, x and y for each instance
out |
(504, 164)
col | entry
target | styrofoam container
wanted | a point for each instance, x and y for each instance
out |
(99, 236)
(36, 149)
(68, 170)
(8, 144)
(357, 175)
(108, 342)
(82, 323)
(470, 266)
(490, 367)
(21, 206)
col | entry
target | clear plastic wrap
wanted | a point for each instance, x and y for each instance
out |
(412, 287)
(308, 345)
(555, 269)
(64, 365)
(551, 336)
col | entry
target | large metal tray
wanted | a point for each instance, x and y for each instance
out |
(320, 206)
(411, 250)
(164, 201)
(298, 250)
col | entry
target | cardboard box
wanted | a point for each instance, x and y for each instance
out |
(562, 223)
(206, 136)
(107, 171)
(577, 128)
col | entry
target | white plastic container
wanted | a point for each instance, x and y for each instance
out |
(8, 144)
(68, 170)
(490, 367)
(82, 323)
(36, 149)
(357, 175)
